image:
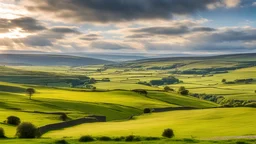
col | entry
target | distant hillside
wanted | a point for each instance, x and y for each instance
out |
(231, 57)
(48, 60)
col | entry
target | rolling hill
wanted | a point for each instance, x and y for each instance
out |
(48, 60)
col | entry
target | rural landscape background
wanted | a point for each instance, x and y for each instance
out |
(127, 71)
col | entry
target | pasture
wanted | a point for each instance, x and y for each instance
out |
(63, 89)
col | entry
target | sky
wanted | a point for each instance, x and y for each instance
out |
(128, 26)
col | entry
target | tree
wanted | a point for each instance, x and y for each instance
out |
(166, 88)
(13, 120)
(27, 130)
(147, 110)
(168, 133)
(183, 91)
(223, 80)
(30, 92)
(92, 81)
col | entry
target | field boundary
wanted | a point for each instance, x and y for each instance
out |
(90, 119)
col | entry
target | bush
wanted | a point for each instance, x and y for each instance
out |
(182, 90)
(129, 138)
(13, 120)
(86, 138)
(2, 134)
(105, 138)
(147, 110)
(119, 138)
(166, 88)
(185, 92)
(63, 117)
(152, 138)
(27, 130)
(61, 142)
(168, 133)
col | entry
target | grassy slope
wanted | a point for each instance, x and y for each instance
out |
(196, 123)
(116, 105)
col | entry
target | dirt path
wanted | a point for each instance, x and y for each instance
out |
(231, 137)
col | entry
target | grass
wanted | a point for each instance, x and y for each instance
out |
(118, 103)
(172, 141)
(186, 124)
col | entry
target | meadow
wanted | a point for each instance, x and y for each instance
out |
(65, 89)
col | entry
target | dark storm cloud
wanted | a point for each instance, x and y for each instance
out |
(27, 24)
(104, 11)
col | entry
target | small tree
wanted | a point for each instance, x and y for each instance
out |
(168, 133)
(13, 120)
(183, 91)
(30, 92)
(147, 110)
(167, 88)
(223, 80)
(2, 134)
(27, 130)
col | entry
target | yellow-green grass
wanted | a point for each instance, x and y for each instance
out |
(125, 84)
(74, 108)
(162, 141)
(204, 123)
(125, 98)
(35, 118)
(213, 84)
(176, 99)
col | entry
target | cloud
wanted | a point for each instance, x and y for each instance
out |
(231, 35)
(48, 37)
(177, 30)
(104, 11)
(254, 4)
(64, 30)
(232, 3)
(27, 24)
(91, 37)
(110, 45)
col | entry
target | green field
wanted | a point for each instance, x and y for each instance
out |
(208, 120)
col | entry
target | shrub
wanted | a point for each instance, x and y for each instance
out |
(252, 104)
(137, 139)
(166, 88)
(13, 120)
(152, 138)
(182, 90)
(63, 117)
(241, 142)
(2, 134)
(86, 138)
(119, 138)
(61, 142)
(129, 138)
(27, 130)
(168, 133)
(185, 92)
(105, 138)
(147, 110)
